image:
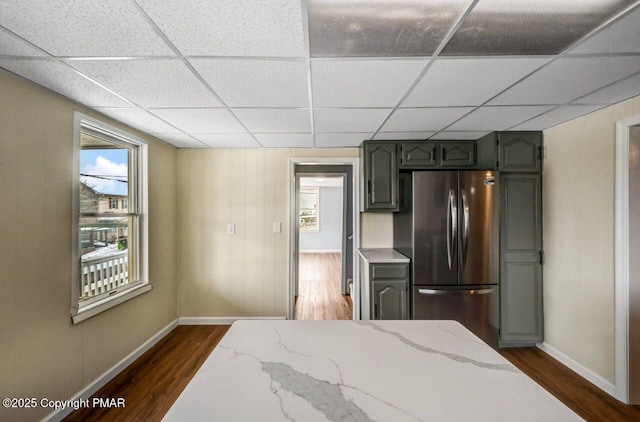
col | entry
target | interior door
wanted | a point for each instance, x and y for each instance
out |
(478, 218)
(435, 226)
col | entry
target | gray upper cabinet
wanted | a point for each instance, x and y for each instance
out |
(458, 154)
(380, 176)
(520, 152)
(418, 155)
(521, 312)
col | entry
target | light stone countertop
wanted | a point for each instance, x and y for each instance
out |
(276, 370)
(382, 255)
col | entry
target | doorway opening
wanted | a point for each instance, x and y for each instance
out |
(321, 230)
(323, 241)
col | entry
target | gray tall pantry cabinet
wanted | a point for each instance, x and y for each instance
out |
(521, 256)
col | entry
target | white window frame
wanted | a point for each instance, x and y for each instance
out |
(81, 311)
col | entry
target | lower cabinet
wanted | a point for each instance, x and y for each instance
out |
(389, 299)
(384, 291)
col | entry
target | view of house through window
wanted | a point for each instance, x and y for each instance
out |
(106, 229)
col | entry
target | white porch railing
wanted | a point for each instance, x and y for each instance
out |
(101, 275)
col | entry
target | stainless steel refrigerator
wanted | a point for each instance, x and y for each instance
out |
(448, 226)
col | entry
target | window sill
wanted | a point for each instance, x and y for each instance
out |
(95, 308)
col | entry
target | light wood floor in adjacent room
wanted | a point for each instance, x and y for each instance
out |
(153, 382)
(319, 290)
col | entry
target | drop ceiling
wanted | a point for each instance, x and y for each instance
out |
(327, 73)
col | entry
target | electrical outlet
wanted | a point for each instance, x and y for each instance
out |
(231, 228)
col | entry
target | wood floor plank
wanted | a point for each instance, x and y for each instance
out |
(154, 381)
(577, 393)
(319, 288)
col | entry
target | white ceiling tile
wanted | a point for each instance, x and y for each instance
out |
(83, 27)
(282, 140)
(201, 120)
(231, 27)
(180, 140)
(362, 83)
(349, 120)
(612, 94)
(150, 83)
(256, 83)
(557, 116)
(403, 135)
(497, 118)
(459, 135)
(276, 120)
(229, 140)
(469, 82)
(13, 46)
(139, 119)
(568, 78)
(621, 37)
(62, 79)
(329, 140)
(423, 119)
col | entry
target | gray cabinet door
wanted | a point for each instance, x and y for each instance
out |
(520, 152)
(380, 176)
(389, 299)
(418, 155)
(458, 154)
(521, 312)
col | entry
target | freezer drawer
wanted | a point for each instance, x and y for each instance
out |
(476, 308)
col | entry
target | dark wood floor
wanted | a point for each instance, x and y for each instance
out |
(152, 383)
(581, 396)
(319, 289)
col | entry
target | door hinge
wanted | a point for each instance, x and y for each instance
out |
(541, 257)
(540, 152)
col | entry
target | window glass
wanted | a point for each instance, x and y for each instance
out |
(309, 208)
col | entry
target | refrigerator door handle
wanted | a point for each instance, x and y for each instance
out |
(452, 226)
(455, 292)
(465, 227)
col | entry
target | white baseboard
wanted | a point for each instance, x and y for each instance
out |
(107, 376)
(321, 251)
(217, 320)
(580, 369)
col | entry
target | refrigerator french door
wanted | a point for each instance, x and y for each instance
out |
(448, 226)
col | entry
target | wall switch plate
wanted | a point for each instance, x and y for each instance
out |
(277, 227)
(231, 228)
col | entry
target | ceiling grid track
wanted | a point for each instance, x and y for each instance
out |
(444, 42)
(191, 68)
(307, 54)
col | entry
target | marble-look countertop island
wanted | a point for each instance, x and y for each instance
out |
(274, 370)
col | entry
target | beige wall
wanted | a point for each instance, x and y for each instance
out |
(578, 222)
(244, 274)
(41, 353)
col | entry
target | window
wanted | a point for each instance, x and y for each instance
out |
(110, 243)
(309, 208)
